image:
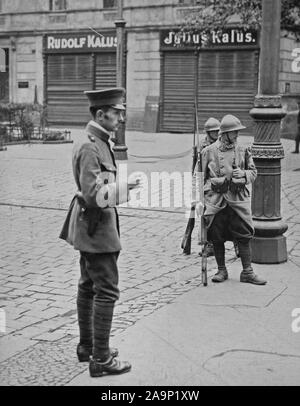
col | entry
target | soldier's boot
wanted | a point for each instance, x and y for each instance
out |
(248, 275)
(84, 353)
(111, 367)
(222, 274)
(102, 361)
(85, 322)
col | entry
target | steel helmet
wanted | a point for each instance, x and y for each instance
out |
(212, 124)
(230, 123)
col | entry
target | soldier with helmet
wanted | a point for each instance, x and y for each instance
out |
(211, 128)
(228, 171)
(297, 138)
(92, 228)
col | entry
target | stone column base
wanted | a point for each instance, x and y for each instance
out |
(269, 250)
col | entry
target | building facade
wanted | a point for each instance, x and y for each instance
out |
(56, 49)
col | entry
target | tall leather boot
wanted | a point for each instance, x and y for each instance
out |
(222, 274)
(248, 275)
(85, 322)
(103, 314)
(103, 361)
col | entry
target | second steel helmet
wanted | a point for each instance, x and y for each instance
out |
(212, 124)
(230, 123)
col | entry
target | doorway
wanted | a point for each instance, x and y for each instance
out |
(4, 75)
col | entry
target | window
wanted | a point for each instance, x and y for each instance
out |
(109, 3)
(58, 5)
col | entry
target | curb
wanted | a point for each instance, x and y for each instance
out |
(35, 142)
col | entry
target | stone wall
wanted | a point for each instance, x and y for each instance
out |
(289, 84)
(143, 75)
(144, 20)
(26, 68)
(289, 79)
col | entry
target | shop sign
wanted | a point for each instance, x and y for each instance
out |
(84, 42)
(23, 85)
(229, 37)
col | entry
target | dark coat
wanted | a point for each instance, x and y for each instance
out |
(92, 225)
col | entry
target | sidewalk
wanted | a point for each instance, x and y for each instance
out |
(228, 334)
(173, 330)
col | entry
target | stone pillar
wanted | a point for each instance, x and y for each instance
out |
(269, 243)
(120, 148)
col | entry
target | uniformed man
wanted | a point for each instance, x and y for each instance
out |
(211, 128)
(92, 227)
(297, 138)
(228, 169)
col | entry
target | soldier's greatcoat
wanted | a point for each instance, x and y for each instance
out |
(95, 171)
(205, 143)
(217, 162)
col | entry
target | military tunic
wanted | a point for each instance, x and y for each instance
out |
(95, 171)
(205, 143)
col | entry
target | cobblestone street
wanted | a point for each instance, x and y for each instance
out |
(39, 272)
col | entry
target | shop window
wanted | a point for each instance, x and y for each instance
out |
(109, 4)
(58, 5)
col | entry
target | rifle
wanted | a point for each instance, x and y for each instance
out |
(204, 244)
(203, 226)
(187, 238)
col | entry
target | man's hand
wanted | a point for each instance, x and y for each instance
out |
(134, 182)
(81, 200)
(200, 209)
(238, 173)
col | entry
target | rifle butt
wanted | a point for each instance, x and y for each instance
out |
(187, 238)
(204, 266)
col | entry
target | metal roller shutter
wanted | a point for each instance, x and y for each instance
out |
(106, 73)
(227, 84)
(178, 88)
(68, 76)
